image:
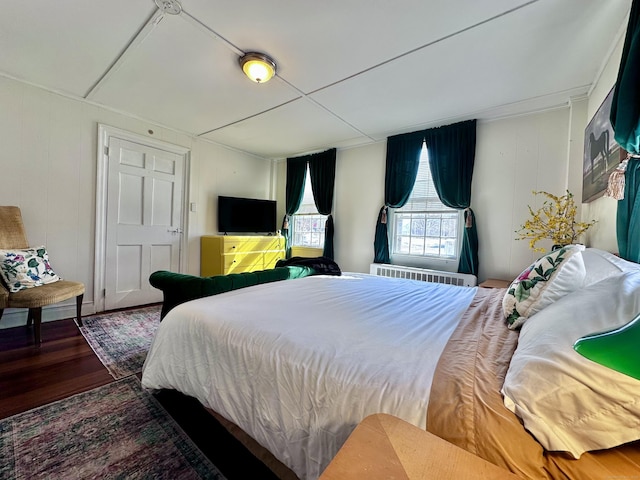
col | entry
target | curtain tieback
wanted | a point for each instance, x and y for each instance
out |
(468, 220)
(383, 216)
(326, 222)
(285, 224)
(615, 184)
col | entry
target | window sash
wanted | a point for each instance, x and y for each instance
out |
(426, 234)
(424, 226)
(308, 230)
(307, 225)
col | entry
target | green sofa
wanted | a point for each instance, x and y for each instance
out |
(178, 288)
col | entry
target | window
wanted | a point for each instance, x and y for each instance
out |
(307, 225)
(425, 227)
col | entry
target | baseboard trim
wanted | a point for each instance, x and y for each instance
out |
(16, 317)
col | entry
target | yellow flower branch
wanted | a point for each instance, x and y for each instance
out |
(555, 220)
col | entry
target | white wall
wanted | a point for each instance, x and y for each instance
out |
(603, 209)
(358, 199)
(514, 157)
(48, 166)
(218, 171)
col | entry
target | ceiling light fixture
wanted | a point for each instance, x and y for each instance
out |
(171, 7)
(257, 66)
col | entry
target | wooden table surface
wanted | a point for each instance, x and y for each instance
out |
(384, 447)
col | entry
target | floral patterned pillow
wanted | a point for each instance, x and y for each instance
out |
(542, 283)
(26, 268)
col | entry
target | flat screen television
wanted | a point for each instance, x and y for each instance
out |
(246, 215)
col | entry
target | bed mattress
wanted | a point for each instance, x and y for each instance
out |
(298, 364)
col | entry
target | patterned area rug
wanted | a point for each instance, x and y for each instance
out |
(117, 431)
(121, 340)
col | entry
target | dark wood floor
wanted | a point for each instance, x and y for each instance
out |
(65, 365)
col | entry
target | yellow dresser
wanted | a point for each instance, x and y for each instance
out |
(223, 254)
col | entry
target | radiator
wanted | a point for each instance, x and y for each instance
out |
(423, 274)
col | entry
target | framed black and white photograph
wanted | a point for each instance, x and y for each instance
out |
(601, 152)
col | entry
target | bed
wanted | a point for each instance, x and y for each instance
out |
(297, 364)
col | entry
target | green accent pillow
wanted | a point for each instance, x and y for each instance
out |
(616, 349)
(546, 280)
(26, 268)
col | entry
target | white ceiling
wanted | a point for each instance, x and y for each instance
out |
(349, 72)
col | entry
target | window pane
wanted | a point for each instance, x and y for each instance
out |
(404, 225)
(417, 226)
(433, 225)
(402, 244)
(433, 246)
(307, 230)
(417, 246)
(449, 227)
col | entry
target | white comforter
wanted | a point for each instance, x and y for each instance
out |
(297, 364)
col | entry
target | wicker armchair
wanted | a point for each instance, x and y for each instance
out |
(13, 236)
(4, 298)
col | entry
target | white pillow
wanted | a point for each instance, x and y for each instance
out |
(568, 402)
(26, 268)
(599, 265)
(546, 280)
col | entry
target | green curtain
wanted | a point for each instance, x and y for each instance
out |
(322, 169)
(403, 159)
(625, 106)
(469, 253)
(452, 151)
(625, 120)
(296, 178)
(628, 219)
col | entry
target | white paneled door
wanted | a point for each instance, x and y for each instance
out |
(143, 220)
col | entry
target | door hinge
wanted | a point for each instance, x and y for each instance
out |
(106, 151)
